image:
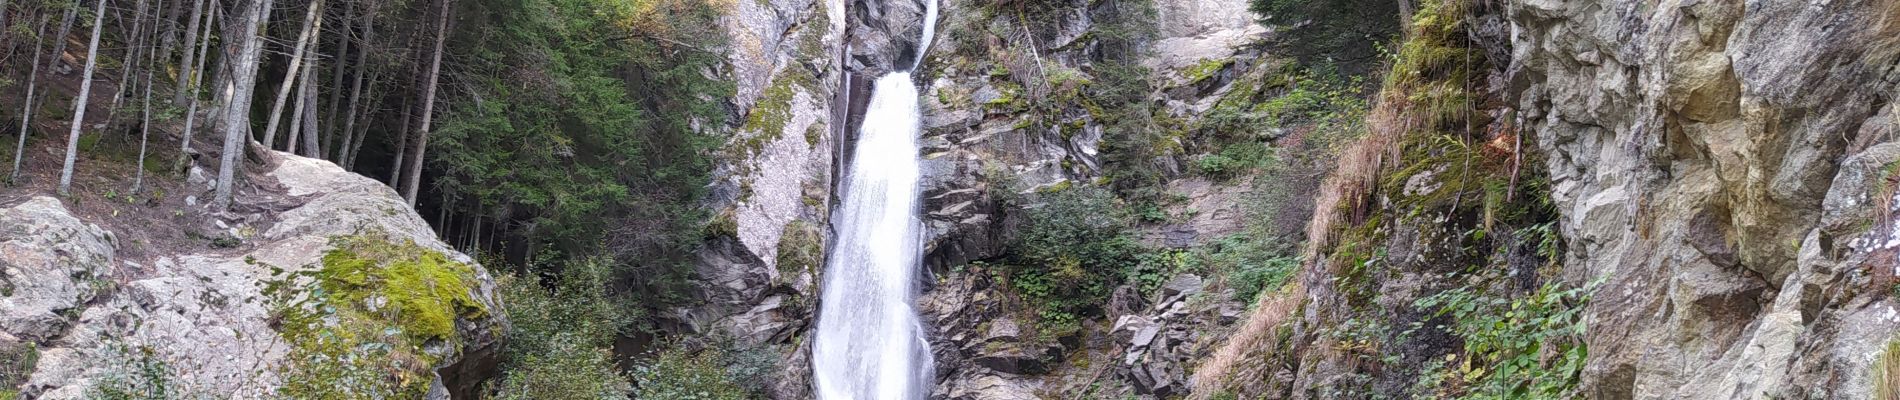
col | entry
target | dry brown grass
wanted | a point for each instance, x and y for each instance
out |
(1887, 372)
(1342, 198)
(1256, 337)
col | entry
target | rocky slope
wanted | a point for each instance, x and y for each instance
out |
(247, 315)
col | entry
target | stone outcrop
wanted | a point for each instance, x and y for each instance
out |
(210, 317)
(883, 35)
(761, 265)
(1720, 164)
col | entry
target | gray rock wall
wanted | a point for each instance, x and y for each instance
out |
(1716, 161)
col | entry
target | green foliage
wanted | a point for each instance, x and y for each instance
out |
(1269, 102)
(562, 341)
(136, 374)
(1345, 32)
(1073, 250)
(676, 374)
(360, 325)
(801, 247)
(1530, 347)
(18, 360)
(576, 131)
(1254, 265)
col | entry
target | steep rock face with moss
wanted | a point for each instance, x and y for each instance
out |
(1727, 168)
(763, 254)
(259, 316)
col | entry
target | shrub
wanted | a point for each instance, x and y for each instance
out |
(1506, 341)
(676, 374)
(563, 335)
(16, 360)
(1073, 250)
(137, 374)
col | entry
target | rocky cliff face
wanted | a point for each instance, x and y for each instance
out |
(1727, 168)
(761, 264)
(241, 318)
(1718, 181)
(1720, 170)
(1005, 117)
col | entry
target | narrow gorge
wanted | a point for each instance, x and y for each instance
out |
(950, 199)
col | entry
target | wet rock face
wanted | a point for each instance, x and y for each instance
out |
(1711, 160)
(882, 35)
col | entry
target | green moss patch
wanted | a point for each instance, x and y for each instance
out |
(423, 289)
(372, 319)
(1205, 69)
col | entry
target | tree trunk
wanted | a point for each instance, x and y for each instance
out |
(345, 153)
(243, 47)
(131, 57)
(199, 15)
(352, 136)
(402, 144)
(170, 37)
(85, 94)
(193, 78)
(297, 113)
(409, 183)
(145, 113)
(59, 45)
(336, 75)
(145, 125)
(312, 138)
(3, 27)
(312, 20)
(26, 115)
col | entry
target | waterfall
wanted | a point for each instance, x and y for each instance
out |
(869, 343)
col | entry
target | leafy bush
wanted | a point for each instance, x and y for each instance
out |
(1506, 341)
(1073, 250)
(562, 339)
(676, 374)
(137, 375)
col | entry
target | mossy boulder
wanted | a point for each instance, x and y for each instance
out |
(381, 315)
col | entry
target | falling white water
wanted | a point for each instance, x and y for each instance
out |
(930, 30)
(870, 344)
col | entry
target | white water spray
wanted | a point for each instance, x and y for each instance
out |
(870, 344)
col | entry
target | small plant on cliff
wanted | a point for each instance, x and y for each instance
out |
(135, 374)
(1529, 347)
(1887, 371)
(16, 362)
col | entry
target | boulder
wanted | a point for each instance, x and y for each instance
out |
(215, 319)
